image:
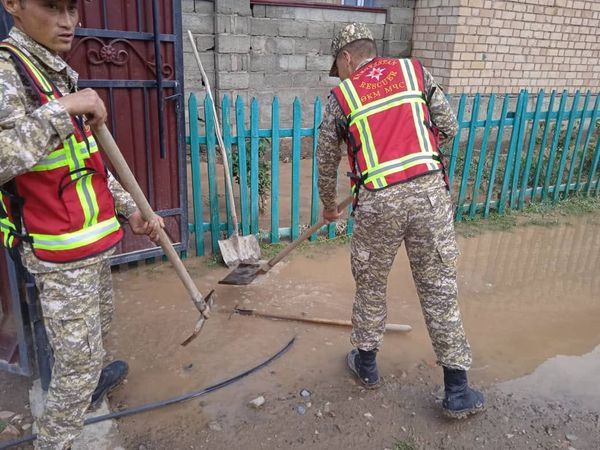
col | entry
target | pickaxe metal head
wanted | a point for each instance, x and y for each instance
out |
(200, 324)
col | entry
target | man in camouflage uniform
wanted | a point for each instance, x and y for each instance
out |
(416, 211)
(76, 296)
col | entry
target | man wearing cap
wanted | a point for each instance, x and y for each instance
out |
(391, 114)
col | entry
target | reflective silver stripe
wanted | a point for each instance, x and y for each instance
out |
(62, 240)
(400, 164)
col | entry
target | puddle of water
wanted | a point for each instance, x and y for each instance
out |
(526, 296)
(571, 379)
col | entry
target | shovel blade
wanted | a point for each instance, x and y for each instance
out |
(242, 275)
(239, 250)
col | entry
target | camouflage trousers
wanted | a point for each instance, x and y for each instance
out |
(77, 307)
(418, 213)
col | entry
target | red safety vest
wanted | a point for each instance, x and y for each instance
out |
(63, 201)
(389, 133)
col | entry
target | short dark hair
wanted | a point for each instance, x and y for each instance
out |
(364, 48)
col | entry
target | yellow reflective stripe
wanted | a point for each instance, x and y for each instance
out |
(386, 103)
(85, 193)
(76, 239)
(409, 73)
(400, 164)
(350, 95)
(39, 76)
(364, 130)
(368, 146)
(58, 159)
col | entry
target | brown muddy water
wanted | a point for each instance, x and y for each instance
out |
(530, 301)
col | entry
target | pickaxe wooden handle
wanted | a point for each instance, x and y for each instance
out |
(129, 182)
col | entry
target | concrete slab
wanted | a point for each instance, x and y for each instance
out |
(99, 436)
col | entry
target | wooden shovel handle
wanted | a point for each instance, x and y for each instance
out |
(304, 236)
(336, 322)
(129, 182)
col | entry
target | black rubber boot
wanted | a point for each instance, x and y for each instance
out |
(362, 364)
(461, 401)
(110, 377)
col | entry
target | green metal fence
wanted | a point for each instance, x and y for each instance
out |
(510, 150)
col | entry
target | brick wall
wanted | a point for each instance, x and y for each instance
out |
(505, 45)
(265, 50)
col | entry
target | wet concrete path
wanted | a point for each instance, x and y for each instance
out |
(527, 296)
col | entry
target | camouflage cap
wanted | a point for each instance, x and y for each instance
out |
(350, 33)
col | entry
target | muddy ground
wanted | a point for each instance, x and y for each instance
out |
(531, 309)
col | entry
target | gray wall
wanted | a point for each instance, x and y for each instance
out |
(263, 51)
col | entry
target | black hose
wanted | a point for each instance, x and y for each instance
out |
(160, 404)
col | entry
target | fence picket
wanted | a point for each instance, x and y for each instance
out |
(512, 150)
(482, 155)
(497, 149)
(296, 143)
(213, 193)
(468, 156)
(532, 141)
(514, 190)
(540, 162)
(226, 122)
(566, 148)
(254, 143)
(577, 142)
(275, 170)
(242, 169)
(591, 129)
(555, 140)
(314, 205)
(198, 212)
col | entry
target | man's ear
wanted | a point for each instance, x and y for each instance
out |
(12, 6)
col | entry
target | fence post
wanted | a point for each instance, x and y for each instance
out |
(196, 177)
(275, 171)
(314, 207)
(297, 124)
(242, 165)
(212, 174)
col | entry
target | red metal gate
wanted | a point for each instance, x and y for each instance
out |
(125, 52)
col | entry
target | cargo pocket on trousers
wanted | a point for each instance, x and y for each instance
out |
(73, 342)
(448, 252)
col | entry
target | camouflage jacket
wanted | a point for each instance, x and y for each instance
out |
(331, 137)
(28, 131)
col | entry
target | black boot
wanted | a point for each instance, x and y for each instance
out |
(461, 401)
(362, 364)
(110, 377)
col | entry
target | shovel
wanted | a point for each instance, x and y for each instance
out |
(246, 273)
(237, 249)
(129, 182)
